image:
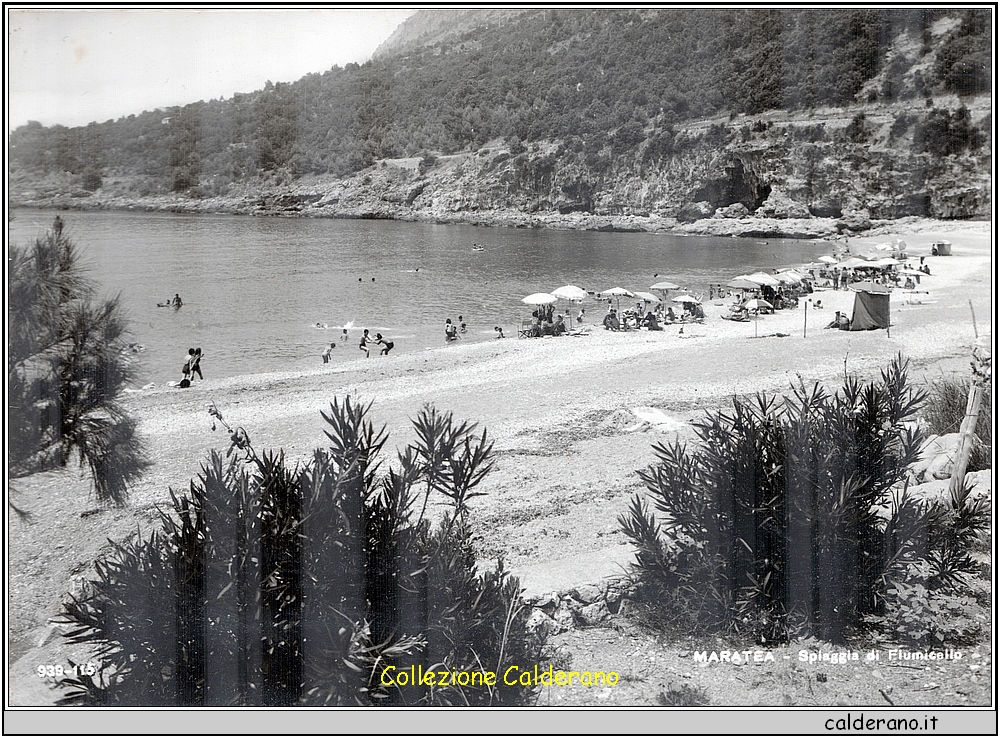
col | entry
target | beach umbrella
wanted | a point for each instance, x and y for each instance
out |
(663, 287)
(758, 305)
(539, 298)
(742, 283)
(886, 261)
(762, 278)
(571, 292)
(852, 263)
(790, 278)
(648, 297)
(618, 293)
(687, 299)
(870, 286)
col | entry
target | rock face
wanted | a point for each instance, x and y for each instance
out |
(784, 170)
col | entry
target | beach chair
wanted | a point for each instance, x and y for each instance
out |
(525, 330)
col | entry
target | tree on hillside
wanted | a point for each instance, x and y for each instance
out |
(65, 370)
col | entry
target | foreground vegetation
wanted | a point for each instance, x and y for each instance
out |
(792, 518)
(67, 366)
(276, 586)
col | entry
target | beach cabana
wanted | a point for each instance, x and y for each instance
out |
(941, 248)
(871, 306)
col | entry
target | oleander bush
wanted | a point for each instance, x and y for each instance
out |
(275, 585)
(791, 515)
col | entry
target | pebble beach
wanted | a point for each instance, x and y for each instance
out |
(572, 417)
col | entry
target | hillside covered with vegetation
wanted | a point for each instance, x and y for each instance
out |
(605, 98)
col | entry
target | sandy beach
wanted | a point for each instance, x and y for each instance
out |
(560, 410)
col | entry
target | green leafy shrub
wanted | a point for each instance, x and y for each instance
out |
(272, 585)
(781, 520)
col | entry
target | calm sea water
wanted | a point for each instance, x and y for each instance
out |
(255, 288)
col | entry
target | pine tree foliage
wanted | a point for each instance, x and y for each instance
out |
(273, 585)
(66, 368)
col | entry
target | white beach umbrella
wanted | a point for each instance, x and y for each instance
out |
(570, 292)
(763, 278)
(687, 299)
(743, 283)
(618, 293)
(758, 305)
(853, 263)
(790, 278)
(664, 286)
(539, 298)
(648, 297)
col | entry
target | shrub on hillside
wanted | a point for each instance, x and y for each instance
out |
(786, 517)
(273, 585)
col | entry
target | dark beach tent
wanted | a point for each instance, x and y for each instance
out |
(941, 248)
(871, 306)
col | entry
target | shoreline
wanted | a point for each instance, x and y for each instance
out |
(744, 227)
(560, 410)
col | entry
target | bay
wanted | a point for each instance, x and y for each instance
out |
(255, 289)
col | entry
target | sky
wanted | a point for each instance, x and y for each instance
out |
(73, 66)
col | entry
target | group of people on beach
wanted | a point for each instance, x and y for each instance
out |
(451, 330)
(367, 342)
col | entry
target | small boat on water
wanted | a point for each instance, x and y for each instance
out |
(477, 247)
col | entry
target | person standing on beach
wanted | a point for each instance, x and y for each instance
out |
(365, 340)
(196, 364)
(327, 351)
(186, 369)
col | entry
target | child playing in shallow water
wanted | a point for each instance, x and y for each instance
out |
(386, 344)
(499, 331)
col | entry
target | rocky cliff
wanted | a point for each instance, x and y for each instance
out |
(775, 173)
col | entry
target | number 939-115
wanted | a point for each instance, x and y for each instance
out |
(57, 671)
